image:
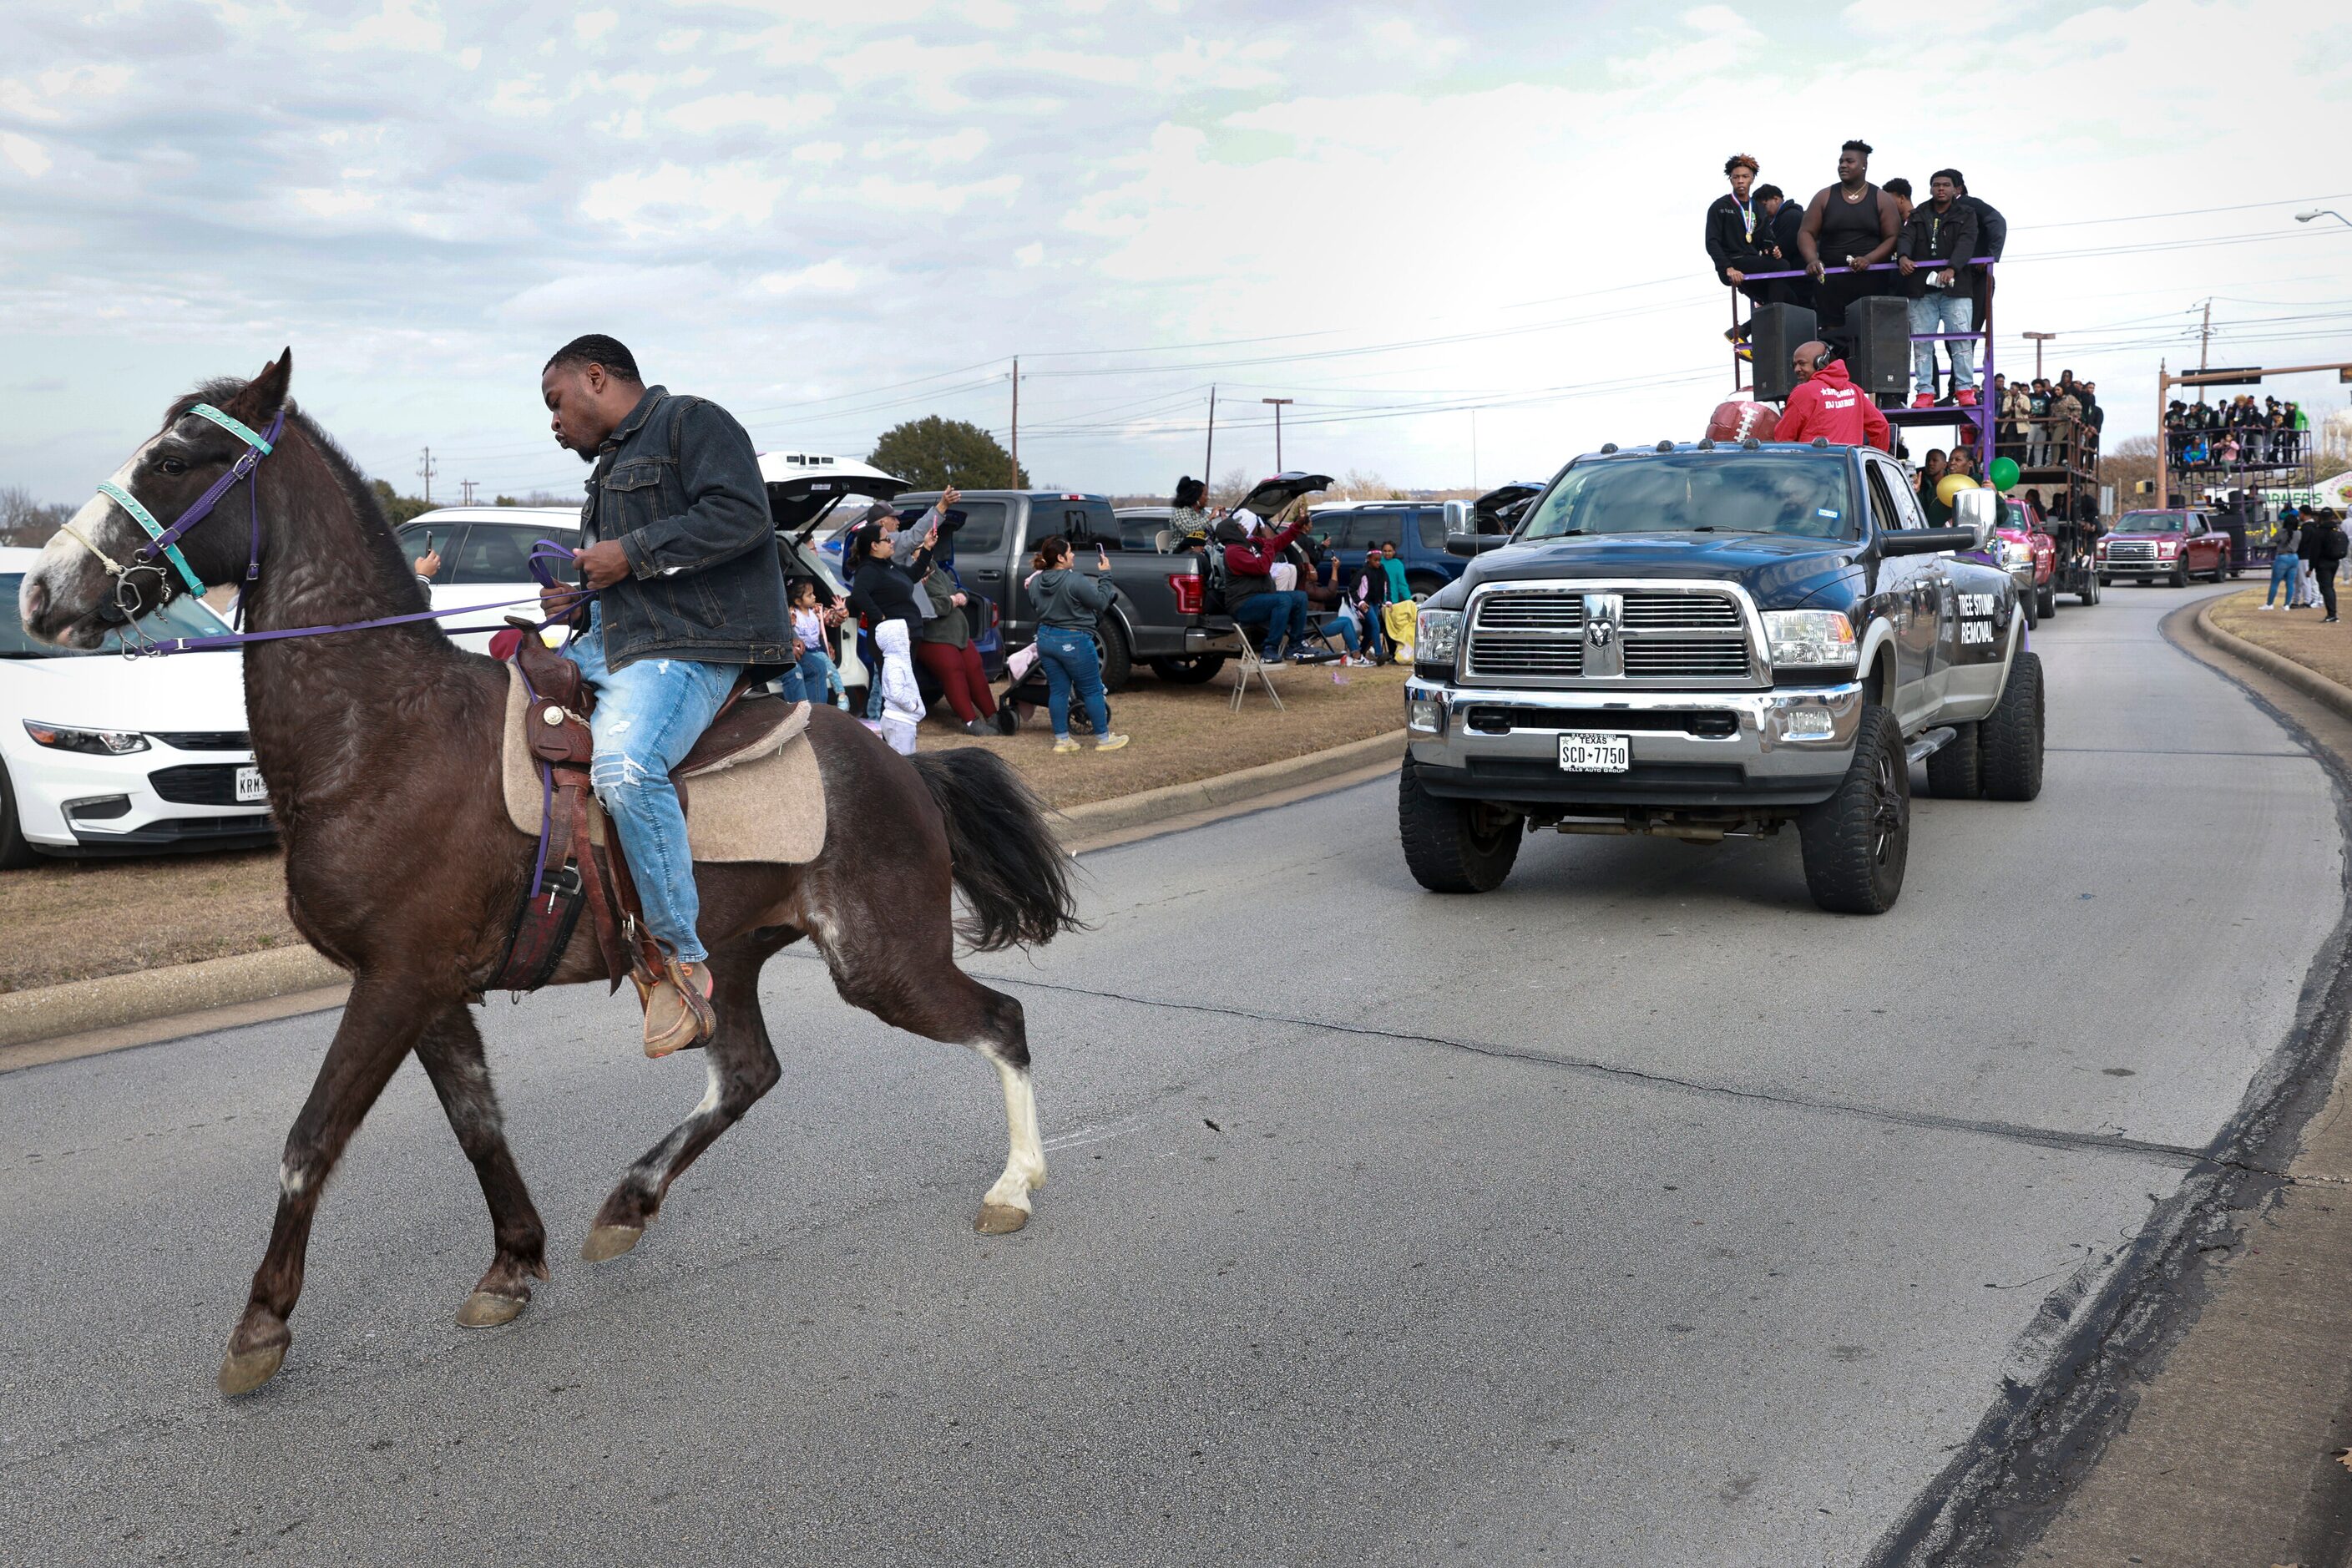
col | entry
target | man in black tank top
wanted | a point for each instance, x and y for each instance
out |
(1848, 226)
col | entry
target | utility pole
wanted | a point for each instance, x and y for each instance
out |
(1209, 458)
(467, 486)
(2204, 341)
(426, 468)
(1017, 422)
(1280, 404)
(2163, 437)
(2038, 339)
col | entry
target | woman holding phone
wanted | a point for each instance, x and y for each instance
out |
(1068, 604)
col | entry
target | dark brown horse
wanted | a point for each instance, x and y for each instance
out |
(381, 750)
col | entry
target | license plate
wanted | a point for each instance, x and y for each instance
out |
(1585, 752)
(249, 785)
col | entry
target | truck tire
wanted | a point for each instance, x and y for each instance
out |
(2045, 600)
(2029, 602)
(1956, 772)
(2010, 736)
(2221, 573)
(1189, 670)
(2180, 573)
(1857, 841)
(16, 851)
(2089, 593)
(1452, 846)
(1117, 661)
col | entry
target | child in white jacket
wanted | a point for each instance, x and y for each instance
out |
(902, 700)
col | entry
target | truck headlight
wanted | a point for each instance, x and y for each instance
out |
(97, 742)
(1808, 638)
(1437, 633)
(2013, 555)
(2167, 547)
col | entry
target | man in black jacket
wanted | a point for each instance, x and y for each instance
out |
(679, 552)
(1993, 238)
(1732, 222)
(1932, 256)
(1786, 218)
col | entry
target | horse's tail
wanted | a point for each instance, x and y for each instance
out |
(1014, 875)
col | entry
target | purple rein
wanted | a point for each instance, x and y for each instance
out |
(543, 551)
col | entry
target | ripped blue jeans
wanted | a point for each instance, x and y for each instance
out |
(648, 716)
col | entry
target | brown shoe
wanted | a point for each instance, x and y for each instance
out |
(678, 1008)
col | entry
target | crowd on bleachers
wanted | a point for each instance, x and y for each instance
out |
(2236, 435)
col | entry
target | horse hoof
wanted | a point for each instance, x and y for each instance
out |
(487, 1309)
(609, 1241)
(1000, 1219)
(244, 1371)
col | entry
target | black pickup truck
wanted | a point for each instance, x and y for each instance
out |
(1706, 640)
(1157, 618)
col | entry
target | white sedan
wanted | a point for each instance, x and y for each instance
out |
(100, 755)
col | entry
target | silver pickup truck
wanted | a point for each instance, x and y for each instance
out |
(1708, 640)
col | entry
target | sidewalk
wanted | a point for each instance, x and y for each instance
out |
(2227, 1449)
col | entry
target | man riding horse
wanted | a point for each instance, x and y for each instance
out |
(679, 551)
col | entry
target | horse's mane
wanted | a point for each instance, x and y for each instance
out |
(373, 525)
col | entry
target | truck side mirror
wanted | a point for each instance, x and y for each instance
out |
(1469, 544)
(1978, 510)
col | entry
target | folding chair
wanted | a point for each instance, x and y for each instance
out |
(1250, 664)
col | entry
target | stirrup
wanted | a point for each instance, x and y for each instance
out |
(688, 1020)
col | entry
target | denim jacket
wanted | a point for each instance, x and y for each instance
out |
(678, 486)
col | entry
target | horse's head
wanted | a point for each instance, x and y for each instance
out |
(73, 596)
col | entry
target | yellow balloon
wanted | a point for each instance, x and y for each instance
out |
(1951, 485)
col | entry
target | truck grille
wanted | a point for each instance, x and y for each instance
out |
(1664, 636)
(2137, 552)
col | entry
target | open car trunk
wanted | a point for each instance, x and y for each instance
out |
(1498, 510)
(1269, 496)
(804, 488)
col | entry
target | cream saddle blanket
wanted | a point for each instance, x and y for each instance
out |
(765, 803)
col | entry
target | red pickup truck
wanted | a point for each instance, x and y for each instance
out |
(2029, 556)
(2174, 546)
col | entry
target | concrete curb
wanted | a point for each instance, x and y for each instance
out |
(2318, 687)
(1097, 818)
(81, 1005)
(113, 1002)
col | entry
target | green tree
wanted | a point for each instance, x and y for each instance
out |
(933, 453)
(397, 508)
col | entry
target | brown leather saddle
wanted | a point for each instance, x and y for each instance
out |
(575, 871)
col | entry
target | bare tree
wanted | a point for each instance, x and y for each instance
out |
(1230, 486)
(2124, 464)
(26, 521)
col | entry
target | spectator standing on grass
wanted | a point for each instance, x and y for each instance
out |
(1068, 604)
(1252, 597)
(944, 646)
(1943, 232)
(2286, 565)
(2313, 547)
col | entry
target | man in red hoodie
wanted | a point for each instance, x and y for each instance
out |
(1251, 597)
(1826, 403)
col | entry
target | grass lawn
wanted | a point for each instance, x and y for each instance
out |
(79, 919)
(2297, 634)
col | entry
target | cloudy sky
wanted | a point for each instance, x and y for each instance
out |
(1464, 238)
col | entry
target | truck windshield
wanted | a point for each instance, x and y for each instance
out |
(1802, 494)
(2152, 523)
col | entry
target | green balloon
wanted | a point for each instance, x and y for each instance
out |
(2003, 473)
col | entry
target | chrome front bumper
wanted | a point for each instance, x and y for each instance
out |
(1747, 757)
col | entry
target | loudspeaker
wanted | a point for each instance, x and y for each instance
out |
(1773, 333)
(1880, 326)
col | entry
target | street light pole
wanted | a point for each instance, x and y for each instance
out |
(2310, 212)
(1280, 404)
(2038, 339)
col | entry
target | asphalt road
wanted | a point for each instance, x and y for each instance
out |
(1635, 1214)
